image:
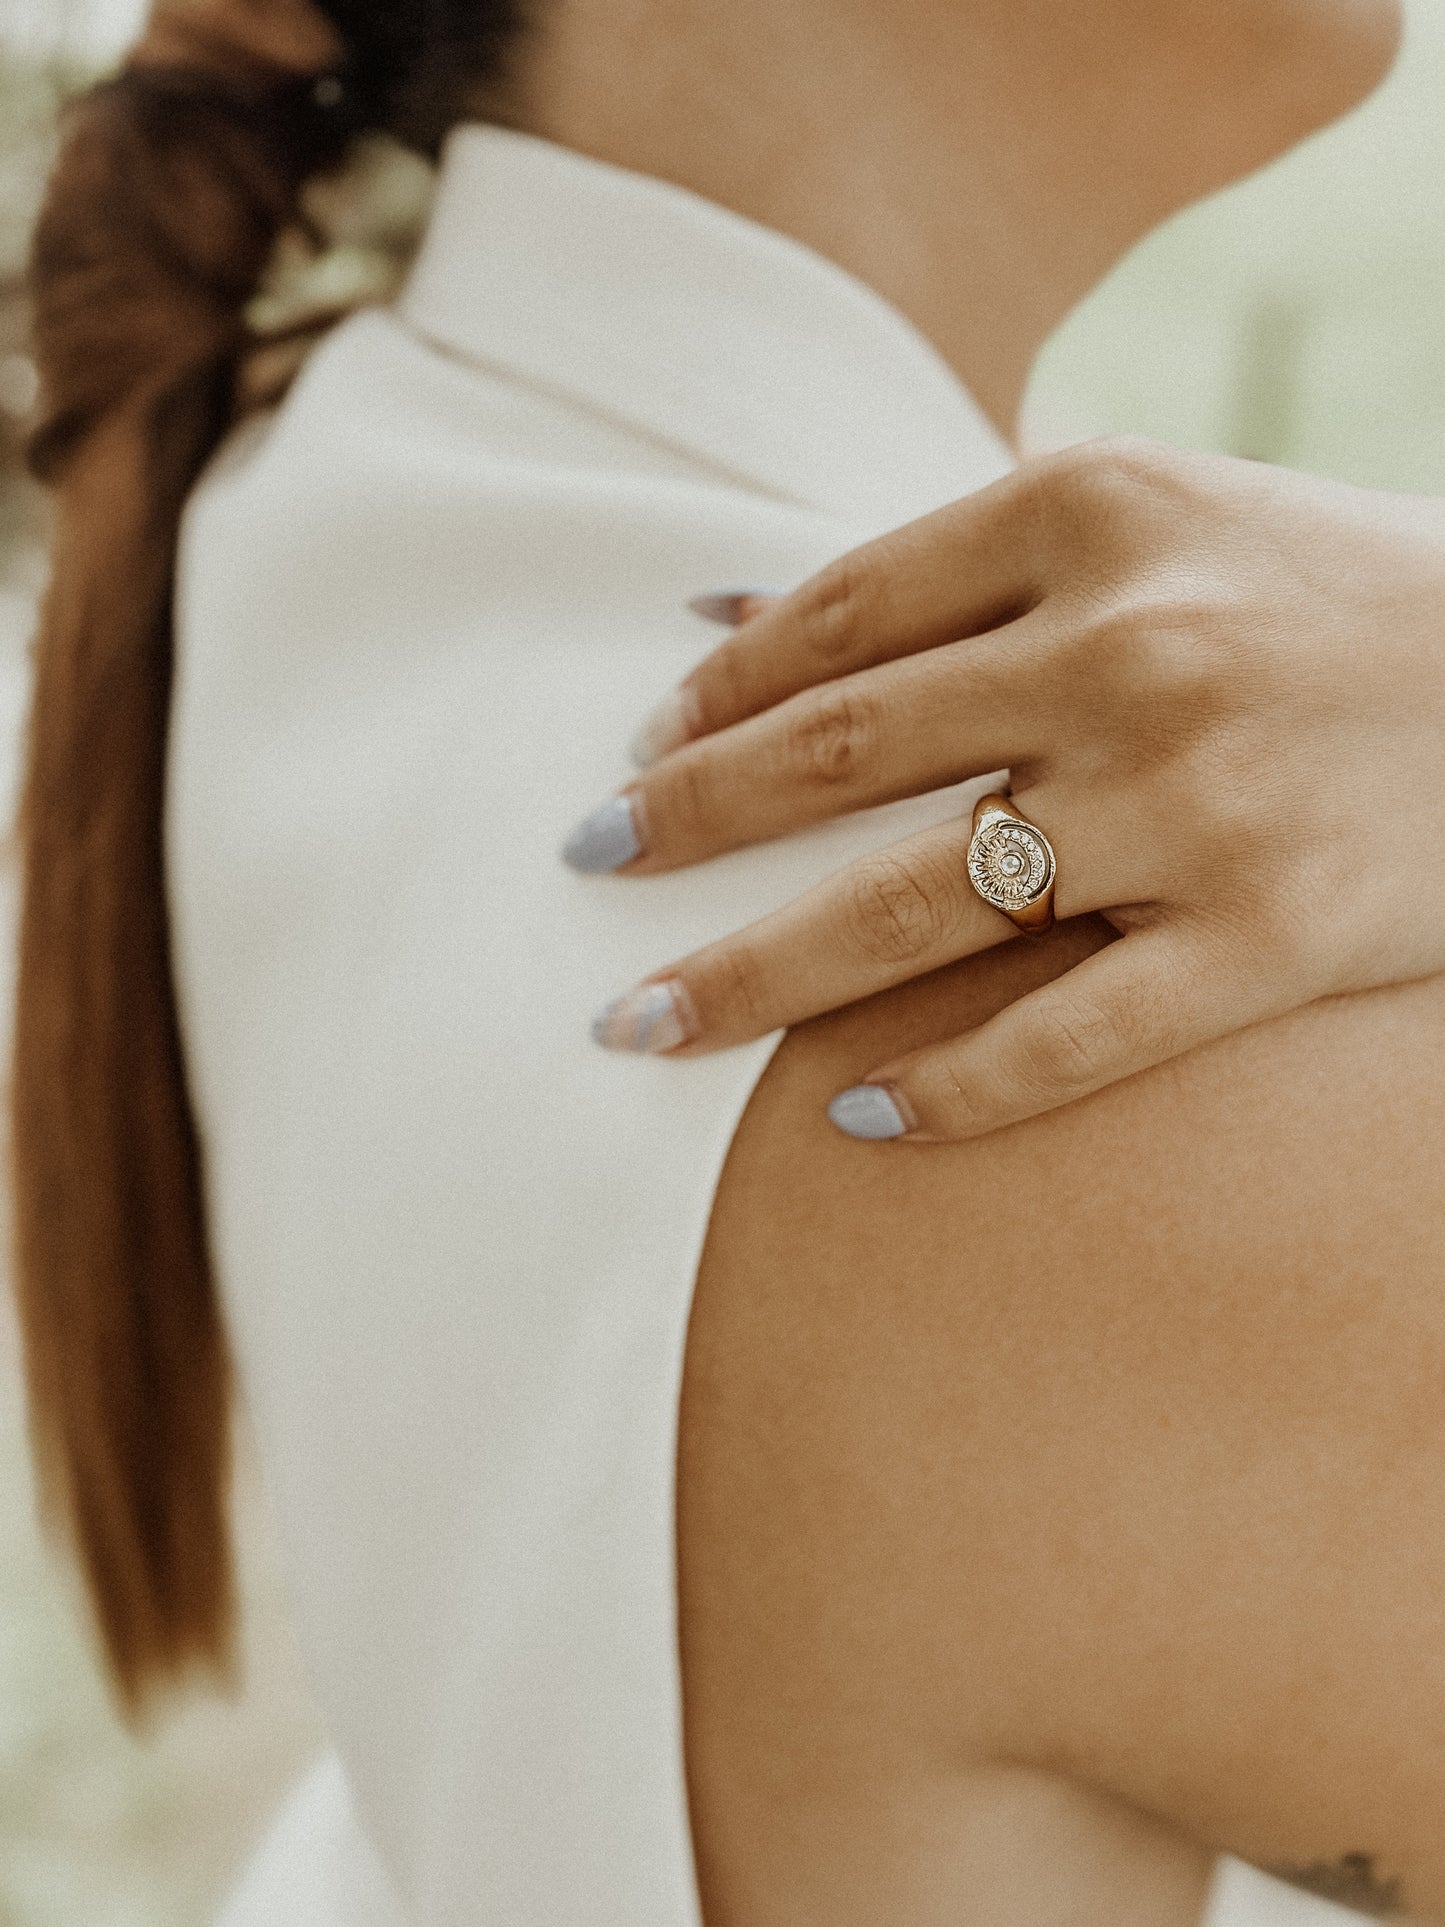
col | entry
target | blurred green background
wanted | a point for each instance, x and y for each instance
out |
(1299, 318)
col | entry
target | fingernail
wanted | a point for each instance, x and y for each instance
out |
(653, 1018)
(732, 607)
(869, 1111)
(673, 723)
(605, 840)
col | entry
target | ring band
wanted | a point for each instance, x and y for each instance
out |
(1012, 866)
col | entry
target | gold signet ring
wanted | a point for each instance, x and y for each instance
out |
(1011, 864)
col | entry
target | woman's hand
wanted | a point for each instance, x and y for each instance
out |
(1220, 690)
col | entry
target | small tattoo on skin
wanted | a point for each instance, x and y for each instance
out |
(1352, 1881)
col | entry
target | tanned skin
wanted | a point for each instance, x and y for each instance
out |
(1059, 1505)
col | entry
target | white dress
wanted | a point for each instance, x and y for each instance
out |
(420, 616)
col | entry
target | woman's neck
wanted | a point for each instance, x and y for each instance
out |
(980, 165)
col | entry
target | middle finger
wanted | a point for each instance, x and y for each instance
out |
(962, 710)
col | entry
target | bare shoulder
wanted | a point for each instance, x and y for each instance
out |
(1110, 1446)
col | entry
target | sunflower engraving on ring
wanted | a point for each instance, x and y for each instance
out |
(1010, 864)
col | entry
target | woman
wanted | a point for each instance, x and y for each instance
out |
(1055, 1508)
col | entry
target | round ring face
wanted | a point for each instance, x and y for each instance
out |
(1010, 864)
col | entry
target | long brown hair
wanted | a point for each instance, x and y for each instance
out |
(173, 183)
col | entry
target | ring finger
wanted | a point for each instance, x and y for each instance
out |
(879, 921)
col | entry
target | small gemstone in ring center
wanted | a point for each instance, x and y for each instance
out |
(1012, 864)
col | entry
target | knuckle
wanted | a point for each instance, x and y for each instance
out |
(731, 992)
(679, 803)
(1100, 644)
(832, 741)
(900, 909)
(954, 1104)
(1074, 1050)
(1142, 648)
(1225, 816)
(1116, 465)
(722, 686)
(1188, 643)
(833, 613)
(1150, 670)
(1107, 491)
(1135, 457)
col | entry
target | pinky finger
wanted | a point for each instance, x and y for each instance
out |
(1145, 999)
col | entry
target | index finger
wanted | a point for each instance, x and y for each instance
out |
(959, 572)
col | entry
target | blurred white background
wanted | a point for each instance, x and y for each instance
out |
(1299, 318)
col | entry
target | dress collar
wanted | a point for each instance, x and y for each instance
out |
(704, 329)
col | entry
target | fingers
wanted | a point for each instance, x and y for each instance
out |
(904, 730)
(1140, 1002)
(956, 573)
(878, 922)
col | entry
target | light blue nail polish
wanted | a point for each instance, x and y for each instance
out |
(867, 1111)
(605, 840)
(602, 1028)
(728, 606)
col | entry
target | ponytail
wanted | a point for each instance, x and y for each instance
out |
(172, 185)
(174, 182)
